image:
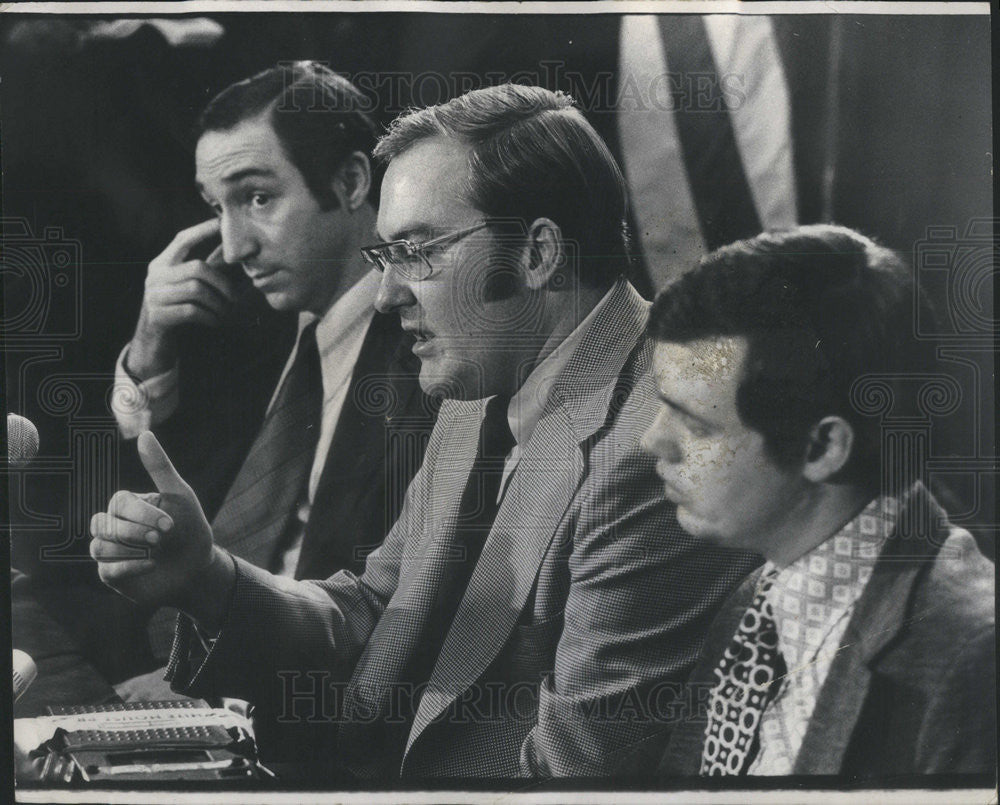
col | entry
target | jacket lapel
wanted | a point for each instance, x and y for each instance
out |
(879, 617)
(551, 467)
(381, 381)
(389, 649)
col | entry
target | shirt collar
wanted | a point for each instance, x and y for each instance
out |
(809, 596)
(528, 402)
(354, 308)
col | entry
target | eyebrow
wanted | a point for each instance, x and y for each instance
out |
(686, 411)
(240, 175)
(410, 232)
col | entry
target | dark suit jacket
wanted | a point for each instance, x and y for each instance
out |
(913, 689)
(227, 380)
(586, 591)
(376, 449)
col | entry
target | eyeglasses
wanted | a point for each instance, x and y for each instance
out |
(410, 258)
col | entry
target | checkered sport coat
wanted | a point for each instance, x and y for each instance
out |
(586, 609)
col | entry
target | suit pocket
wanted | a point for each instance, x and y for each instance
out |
(532, 649)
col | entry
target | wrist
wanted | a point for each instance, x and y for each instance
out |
(210, 591)
(150, 352)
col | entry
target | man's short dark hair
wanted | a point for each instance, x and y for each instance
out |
(534, 155)
(319, 117)
(820, 306)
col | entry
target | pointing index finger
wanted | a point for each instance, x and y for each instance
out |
(159, 466)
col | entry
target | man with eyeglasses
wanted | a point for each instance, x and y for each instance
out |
(283, 161)
(536, 607)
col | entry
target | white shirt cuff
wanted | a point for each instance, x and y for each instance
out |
(140, 406)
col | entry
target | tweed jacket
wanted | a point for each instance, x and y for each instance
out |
(913, 689)
(587, 592)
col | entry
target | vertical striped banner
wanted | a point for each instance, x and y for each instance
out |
(705, 127)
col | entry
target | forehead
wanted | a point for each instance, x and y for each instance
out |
(702, 374)
(251, 145)
(424, 188)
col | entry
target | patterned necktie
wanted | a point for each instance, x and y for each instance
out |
(263, 497)
(813, 601)
(748, 677)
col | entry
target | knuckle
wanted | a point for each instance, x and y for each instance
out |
(101, 548)
(121, 500)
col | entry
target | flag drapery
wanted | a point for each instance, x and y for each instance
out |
(705, 132)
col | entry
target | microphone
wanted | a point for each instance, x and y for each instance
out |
(22, 440)
(25, 672)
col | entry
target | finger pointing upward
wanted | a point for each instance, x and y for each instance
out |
(159, 466)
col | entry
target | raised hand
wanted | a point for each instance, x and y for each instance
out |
(156, 548)
(179, 291)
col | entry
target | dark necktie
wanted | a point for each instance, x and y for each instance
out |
(477, 511)
(747, 679)
(261, 503)
(380, 706)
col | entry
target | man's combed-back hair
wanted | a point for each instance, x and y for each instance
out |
(820, 306)
(319, 117)
(533, 155)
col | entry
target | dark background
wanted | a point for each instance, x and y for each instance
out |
(891, 134)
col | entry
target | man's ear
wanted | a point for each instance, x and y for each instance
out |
(830, 443)
(545, 253)
(352, 181)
